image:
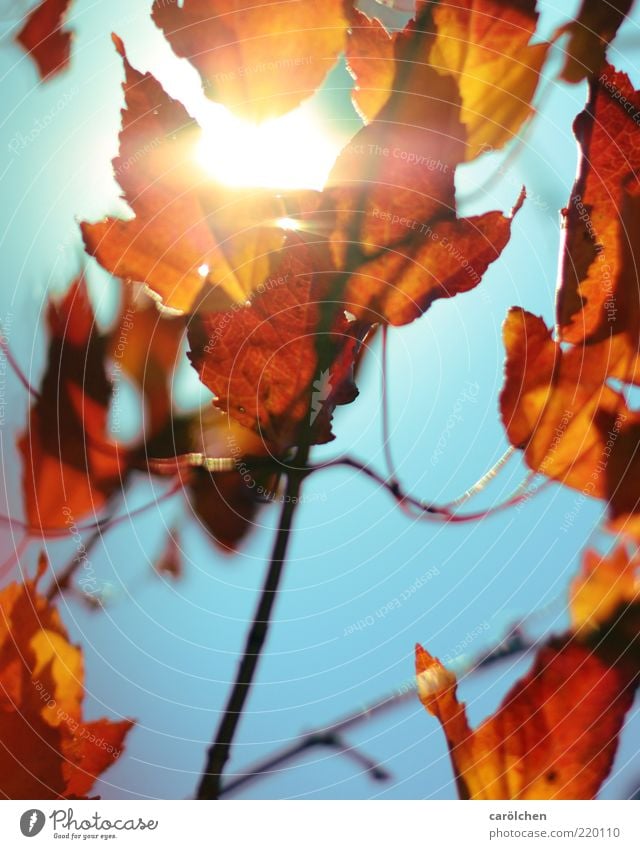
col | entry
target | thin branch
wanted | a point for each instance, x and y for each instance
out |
(103, 524)
(220, 750)
(62, 581)
(514, 644)
(386, 430)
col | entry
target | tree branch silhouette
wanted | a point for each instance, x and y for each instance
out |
(220, 750)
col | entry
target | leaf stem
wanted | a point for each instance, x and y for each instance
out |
(220, 750)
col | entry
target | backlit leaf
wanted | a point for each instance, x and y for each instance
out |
(69, 466)
(265, 361)
(609, 139)
(603, 585)
(559, 408)
(190, 236)
(47, 749)
(486, 45)
(259, 59)
(556, 733)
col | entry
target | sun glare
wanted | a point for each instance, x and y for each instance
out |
(291, 152)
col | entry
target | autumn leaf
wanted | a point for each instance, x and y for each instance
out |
(589, 35)
(609, 139)
(222, 467)
(145, 346)
(265, 361)
(400, 168)
(486, 46)
(392, 190)
(69, 466)
(564, 402)
(190, 236)
(604, 584)
(48, 750)
(572, 424)
(555, 734)
(226, 502)
(44, 38)
(259, 59)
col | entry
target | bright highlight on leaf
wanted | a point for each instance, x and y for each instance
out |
(293, 151)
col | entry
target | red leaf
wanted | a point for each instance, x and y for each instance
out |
(70, 468)
(555, 734)
(265, 361)
(190, 236)
(392, 190)
(609, 138)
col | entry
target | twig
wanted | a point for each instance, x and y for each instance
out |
(482, 483)
(219, 752)
(515, 643)
(103, 524)
(62, 580)
(14, 556)
(386, 430)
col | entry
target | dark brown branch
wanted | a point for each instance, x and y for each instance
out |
(514, 644)
(417, 508)
(219, 752)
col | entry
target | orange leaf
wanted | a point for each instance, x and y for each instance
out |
(169, 563)
(401, 166)
(556, 733)
(44, 38)
(589, 36)
(558, 407)
(146, 345)
(69, 466)
(47, 751)
(392, 190)
(190, 236)
(604, 584)
(447, 258)
(484, 45)
(259, 59)
(273, 365)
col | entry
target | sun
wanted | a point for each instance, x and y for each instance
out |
(292, 152)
